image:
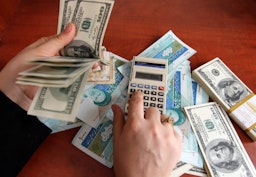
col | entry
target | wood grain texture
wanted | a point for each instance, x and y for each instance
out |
(7, 10)
(214, 28)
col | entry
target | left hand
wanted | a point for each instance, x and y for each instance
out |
(44, 47)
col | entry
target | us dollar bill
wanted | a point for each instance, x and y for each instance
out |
(66, 12)
(222, 85)
(220, 145)
(59, 103)
(90, 18)
(186, 168)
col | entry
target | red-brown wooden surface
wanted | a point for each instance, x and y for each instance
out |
(223, 28)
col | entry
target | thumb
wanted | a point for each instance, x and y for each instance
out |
(54, 44)
(118, 121)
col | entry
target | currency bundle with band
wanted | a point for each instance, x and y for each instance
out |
(224, 87)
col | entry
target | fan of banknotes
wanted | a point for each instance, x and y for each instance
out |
(91, 19)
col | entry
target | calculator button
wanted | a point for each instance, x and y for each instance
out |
(161, 112)
(132, 90)
(159, 105)
(153, 98)
(133, 84)
(145, 103)
(160, 99)
(160, 93)
(154, 87)
(140, 85)
(146, 92)
(146, 98)
(153, 93)
(153, 104)
(147, 86)
(160, 88)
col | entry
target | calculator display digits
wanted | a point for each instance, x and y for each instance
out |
(149, 75)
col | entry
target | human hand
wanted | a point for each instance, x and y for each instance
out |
(44, 47)
(143, 146)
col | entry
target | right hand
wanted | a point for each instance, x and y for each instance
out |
(143, 146)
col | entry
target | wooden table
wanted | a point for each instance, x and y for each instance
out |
(223, 28)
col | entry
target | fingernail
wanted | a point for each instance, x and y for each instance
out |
(113, 108)
(68, 28)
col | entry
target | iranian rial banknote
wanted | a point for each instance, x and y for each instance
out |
(59, 125)
(90, 18)
(180, 94)
(220, 145)
(104, 74)
(97, 98)
(169, 47)
(97, 142)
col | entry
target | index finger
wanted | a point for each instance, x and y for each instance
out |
(136, 108)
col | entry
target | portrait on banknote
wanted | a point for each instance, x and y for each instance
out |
(94, 103)
(79, 48)
(177, 115)
(231, 91)
(58, 99)
(223, 155)
(99, 97)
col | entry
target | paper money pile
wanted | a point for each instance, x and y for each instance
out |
(182, 91)
(230, 92)
(203, 153)
(62, 79)
(88, 104)
(220, 145)
(90, 19)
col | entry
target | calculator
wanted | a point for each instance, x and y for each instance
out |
(149, 75)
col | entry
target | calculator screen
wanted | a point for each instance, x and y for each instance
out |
(147, 64)
(149, 76)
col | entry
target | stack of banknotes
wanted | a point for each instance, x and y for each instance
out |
(96, 134)
(223, 151)
(230, 92)
(62, 79)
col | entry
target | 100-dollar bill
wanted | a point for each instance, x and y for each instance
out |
(90, 18)
(59, 103)
(221, 83)
(224, 87)
(220, 145)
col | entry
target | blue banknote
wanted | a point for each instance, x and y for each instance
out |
(171, 48)
(97, 142)
(97, 98)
